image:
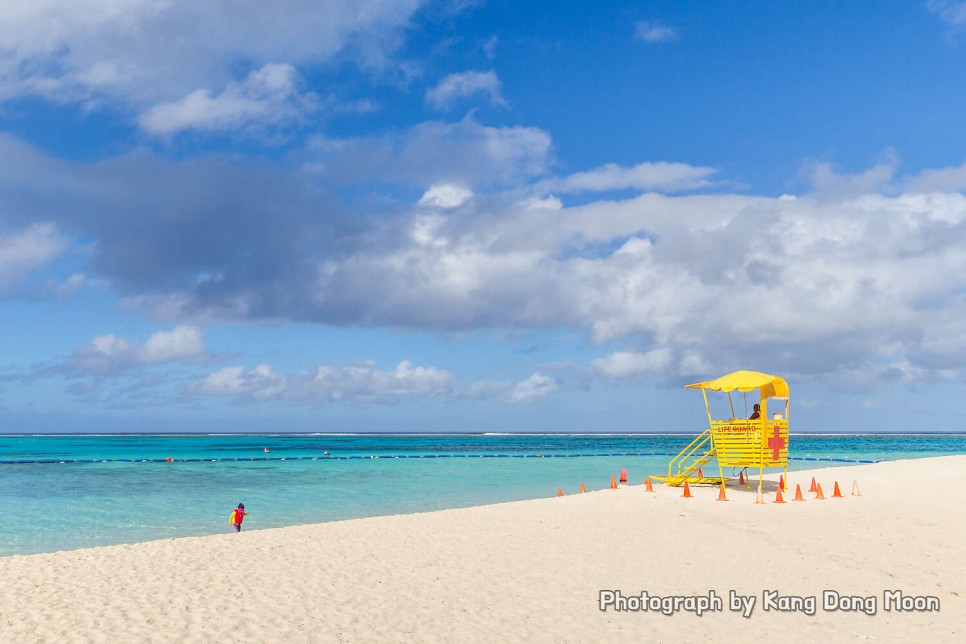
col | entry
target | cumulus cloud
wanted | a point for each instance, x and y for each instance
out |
(464, 153)
(939, 180)
(549, 202)
(27, 249)
(952, 12)
(181, 343)
(533, 388)
(528, 390)
(147, 52)
(661, 177)
(267, 96)
(109, 354)
(359, 383)
(825, 178)
(364, 383)
(70, 285)
(830, 281)
(159, 221)
(458, 86)
(858, 269)
(260, 383)
(105, 354)
(622, 364)
(443, 195)
(653, 31)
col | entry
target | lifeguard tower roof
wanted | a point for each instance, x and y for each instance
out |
(770, 386)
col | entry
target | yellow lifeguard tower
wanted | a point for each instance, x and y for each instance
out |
(760, 442)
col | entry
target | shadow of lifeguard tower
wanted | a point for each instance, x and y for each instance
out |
(746, 443)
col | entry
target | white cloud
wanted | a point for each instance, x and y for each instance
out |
(364, 383)
(146, 52)
(489, 389)
(464, 153)
(622, 364)
(104, 354)
(108, 354)
(547, 203)
(693, 363)
(661, 177)
(28, 249)
(261, 383)
(489, 47)
(827, 180)
(525, 391)
(939, 180)
(358, 383)
(267, 96)
(533, 388)
(70, 285)
(443, 195)
(653, 31)
(426, 230)
(830, 280)
(181, 343)
(952, 12)
(857, 270)
(459, 86)
(227, 381)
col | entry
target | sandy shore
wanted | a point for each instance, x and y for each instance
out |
(529, 570)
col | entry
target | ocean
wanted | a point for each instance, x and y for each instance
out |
(60, 492)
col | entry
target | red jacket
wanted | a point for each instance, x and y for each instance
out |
(237, 516)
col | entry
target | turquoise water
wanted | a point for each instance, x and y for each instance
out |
(120, 488)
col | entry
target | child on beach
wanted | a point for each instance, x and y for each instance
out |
(237, 516)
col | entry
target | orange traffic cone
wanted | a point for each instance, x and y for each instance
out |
(781, 482)
(778, 496)
(700, 473)
(759, 499)
(623, 476)
(855, 488)
(613, 482)
(798, 493)
(818, 492)
(812, 487)
(647, 485)
(741, 477)
(836, 492)
(687, 490)
(559, 492)
(721, 493)
(582, 488)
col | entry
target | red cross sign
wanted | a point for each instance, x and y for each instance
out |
(776, 443)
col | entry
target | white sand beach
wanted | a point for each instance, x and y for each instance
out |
(529, 570)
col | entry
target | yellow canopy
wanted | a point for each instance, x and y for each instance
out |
(769, 386)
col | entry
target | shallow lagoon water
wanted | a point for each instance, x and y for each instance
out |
(55, 506)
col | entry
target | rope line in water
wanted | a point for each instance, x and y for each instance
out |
(236, 459)
(245, 459)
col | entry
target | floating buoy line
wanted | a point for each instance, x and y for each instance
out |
(245, 459)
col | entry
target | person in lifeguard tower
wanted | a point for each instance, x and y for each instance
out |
(755, 414)
(237, 516)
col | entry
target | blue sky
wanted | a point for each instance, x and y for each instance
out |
(478, 216)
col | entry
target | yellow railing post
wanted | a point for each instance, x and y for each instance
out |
(687, 451)
(676, 467)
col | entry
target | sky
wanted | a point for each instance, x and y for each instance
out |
(485, 216)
